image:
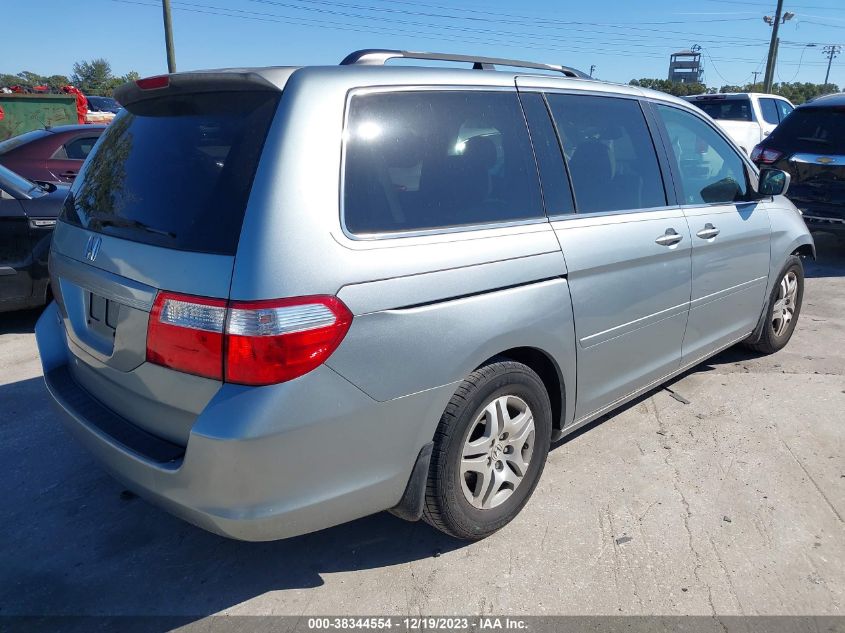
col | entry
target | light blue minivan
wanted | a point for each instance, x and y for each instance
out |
(286, 298)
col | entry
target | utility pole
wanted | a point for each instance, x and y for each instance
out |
(831, 50)
(774, 65)
(168, 36)
(770, 62)
(755, 73)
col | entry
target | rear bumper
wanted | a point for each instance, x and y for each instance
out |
(261, 463)
(820, 216)
(822, 223)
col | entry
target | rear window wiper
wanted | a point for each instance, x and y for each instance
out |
(131, 224)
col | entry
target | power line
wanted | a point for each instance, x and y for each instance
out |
(260, 16)
(431, 31)
(800, 59)
(546, 24)
(297, 21)
(716, 70)
(768, 5)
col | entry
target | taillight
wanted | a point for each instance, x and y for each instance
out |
(765, 155)
(245, 342)
(273, 341)
(153, 83)
(186, 333)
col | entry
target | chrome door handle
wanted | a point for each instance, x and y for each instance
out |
(669, 238)
(709, 231)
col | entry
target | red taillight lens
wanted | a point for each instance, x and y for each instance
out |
(153, 83)
(765, 155)
(246, 342)
(186, 333)
(273, 341)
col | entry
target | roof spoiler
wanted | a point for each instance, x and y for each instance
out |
(379, 56)
(192, 83)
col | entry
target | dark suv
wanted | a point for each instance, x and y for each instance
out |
(810, 146)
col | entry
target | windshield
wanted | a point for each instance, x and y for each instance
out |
(726, 109)
(16, 141)
(175, 171)
(812, 130)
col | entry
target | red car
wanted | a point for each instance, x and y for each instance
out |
(50, 155)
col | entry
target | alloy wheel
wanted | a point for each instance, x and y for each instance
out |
(784, 307)
(497, 452)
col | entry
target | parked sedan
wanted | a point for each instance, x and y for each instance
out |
(52, 154)
(810, 146)
(28, 213)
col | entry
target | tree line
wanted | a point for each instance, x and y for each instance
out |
(93, 77)
(797, 92)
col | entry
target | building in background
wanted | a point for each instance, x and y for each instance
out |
(685, 67)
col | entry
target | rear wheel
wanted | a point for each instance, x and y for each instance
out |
(784, 307)
(489, 450)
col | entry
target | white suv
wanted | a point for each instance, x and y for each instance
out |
(747, 117)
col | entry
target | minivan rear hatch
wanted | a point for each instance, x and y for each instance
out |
(157, 206)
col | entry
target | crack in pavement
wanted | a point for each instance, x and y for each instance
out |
(812, 479)
(686, 517)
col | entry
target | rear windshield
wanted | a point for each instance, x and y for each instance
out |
(812, 130)
(175, 171)
(727, 109)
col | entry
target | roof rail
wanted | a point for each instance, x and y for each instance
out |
(378, 57)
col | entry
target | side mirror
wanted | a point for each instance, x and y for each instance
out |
(773, 182)
(725, 190)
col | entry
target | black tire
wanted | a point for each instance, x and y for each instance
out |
(446, 506)
(772, 341)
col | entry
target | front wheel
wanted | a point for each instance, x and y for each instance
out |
(783, 308)
(489, 450)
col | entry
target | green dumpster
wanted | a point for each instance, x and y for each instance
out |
(25, 112)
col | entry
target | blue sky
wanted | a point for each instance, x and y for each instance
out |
(624, 39)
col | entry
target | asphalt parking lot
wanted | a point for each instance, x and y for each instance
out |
(732, 504)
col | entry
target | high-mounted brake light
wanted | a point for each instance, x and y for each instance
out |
(245, 342)
(765, 155)
(153, 83)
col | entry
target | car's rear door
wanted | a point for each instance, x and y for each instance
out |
(769, 115)
(15, 251)
(66, 162)
(627, 247)
(730, 231)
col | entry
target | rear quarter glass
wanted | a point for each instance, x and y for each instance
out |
(427, 160)
(175, 171)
